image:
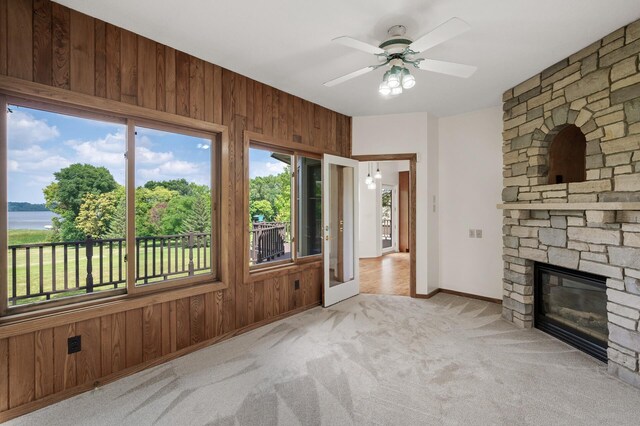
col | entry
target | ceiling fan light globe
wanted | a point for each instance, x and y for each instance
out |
(393, 81)
(408, 81)
(384, 89)
(396, 90)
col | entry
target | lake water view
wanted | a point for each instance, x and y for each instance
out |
(30, 220)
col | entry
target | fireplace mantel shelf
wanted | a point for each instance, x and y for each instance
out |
(571, 206)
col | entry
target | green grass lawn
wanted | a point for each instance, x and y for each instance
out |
(28, 236)
(77, 261)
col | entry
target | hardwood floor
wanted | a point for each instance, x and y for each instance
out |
(388, 274)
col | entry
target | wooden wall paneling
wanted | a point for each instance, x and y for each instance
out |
(208, 92)
(278, 295)
(161, 96)
(275, 113)
(240, 96)
(294, 296)
(251, 308)
(21, 369)
(269, 286)
(43, 363)
(60, 20)
(133, 337)
(182, 83)
(3, 49)
(258, 301)
(296, 135)
(267, 110)
(173, 324)
(209, 315)
(20, 36)
(64, 365)
(151, 332)
(42, 47)
(118, 342)
(170, 79)
(82, 60)
(128, 67)
(183, 323)
(257, 106)
(290, 116)
(241, 290)
(100, 58)
(166, 328)
(88, 360)
(196, 88)
(147, 72)
(219, 313)
(250, 102)
(4, 363)
(217, 94)
(106, 344)
(113, 62)
(197, 318)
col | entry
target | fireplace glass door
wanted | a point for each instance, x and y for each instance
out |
(572, 306)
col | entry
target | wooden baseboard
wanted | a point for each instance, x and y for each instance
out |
(457, 293)
(52, 399)
(427, 296)
(471, 296)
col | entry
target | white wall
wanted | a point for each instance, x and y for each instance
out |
(399, 134)
(470, 183)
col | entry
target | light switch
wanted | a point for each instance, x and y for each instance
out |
(472, 233)
(478, 233)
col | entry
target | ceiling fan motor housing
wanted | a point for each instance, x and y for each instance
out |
(397, 42)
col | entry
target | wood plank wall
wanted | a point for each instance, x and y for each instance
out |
(47, 43)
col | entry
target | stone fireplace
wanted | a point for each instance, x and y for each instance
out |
(572, 186)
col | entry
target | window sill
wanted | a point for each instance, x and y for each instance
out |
(21, 323)
(270, 271)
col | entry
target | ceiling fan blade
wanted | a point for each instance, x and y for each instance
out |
(446, 31)
(357, 44)
(449, 68)
(349, 76)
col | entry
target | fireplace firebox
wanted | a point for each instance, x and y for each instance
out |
(572, 306)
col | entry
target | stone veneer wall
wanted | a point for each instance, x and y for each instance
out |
(598, 90)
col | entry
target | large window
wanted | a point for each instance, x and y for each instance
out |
(285, 206)
(97, 205)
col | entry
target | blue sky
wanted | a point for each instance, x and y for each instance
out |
(262, 164)
(41, 143)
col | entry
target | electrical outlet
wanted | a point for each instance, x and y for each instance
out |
(478, 233)
(472, 233)
(74, 344)
(296, 284)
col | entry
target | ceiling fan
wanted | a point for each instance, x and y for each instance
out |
(398, 51)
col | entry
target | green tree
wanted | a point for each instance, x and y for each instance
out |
(97, 212)
(198, 218)
(181, 186)
(261, 207)
(66, 194)
(151, 206)
(275, 190)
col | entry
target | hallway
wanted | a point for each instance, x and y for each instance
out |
(388, 274)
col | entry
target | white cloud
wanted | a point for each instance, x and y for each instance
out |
(203, 146)
(172, 170)
(107, 151)
(266, 168)
(146, 156)
(24, 129)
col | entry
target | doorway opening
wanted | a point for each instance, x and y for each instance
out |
(387, 264)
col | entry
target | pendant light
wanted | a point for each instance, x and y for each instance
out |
(378, 175)
(369, 179)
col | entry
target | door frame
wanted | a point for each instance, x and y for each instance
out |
(413, 159)
(394, 219)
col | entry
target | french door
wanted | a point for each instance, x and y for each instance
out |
(340, 215)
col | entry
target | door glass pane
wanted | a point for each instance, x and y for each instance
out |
(387, 217)
(269, 206)
(173, 206)
(309, 177)
(65, 194)
(341, 225)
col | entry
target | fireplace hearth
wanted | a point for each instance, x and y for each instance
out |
(572, 306)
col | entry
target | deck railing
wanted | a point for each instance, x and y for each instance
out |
(268, 241)
(41, 271)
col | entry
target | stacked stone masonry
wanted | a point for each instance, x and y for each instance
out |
(598, 90)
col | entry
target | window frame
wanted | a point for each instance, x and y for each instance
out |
(296, 150)
(59, 101)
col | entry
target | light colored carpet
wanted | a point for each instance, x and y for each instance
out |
(369, 360)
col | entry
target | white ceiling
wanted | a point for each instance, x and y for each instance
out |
(287, 43)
